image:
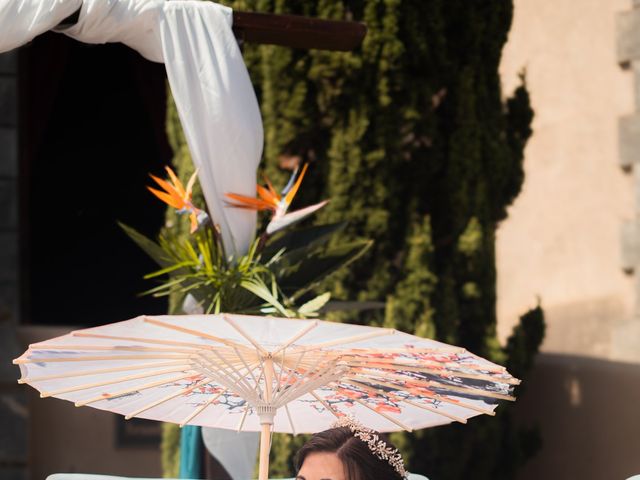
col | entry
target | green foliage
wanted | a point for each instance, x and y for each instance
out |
(198, 266)
(170, 450)
(415, 148)
(283, 449)
(275, 280)
(525, 339)
(301, 272)
(409, 308)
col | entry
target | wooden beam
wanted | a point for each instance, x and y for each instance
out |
(295, 31)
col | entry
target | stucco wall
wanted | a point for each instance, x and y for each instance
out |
(561, 241)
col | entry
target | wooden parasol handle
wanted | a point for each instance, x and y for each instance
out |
(265, 445)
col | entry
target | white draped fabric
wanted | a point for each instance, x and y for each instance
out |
(218, 109)
(216, 103)
(209, 81)
(136, 23)
(236, 451)
(23, 20)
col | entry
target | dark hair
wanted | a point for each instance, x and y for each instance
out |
(359, 462)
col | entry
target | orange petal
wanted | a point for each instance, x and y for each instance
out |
(250, 202)
(168, 199)
(194, 221)
(166, 186)
(267, 196)
(237, 205)
(176, 181)
(192, 180)
(271, 189)
(292, 193)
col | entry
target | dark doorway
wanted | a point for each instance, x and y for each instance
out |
(91, 129)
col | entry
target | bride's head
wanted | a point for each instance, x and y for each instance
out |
(349, 452)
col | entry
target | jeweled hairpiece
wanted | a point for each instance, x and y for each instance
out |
(377, 446)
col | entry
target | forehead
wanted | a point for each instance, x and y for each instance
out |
(322, 466)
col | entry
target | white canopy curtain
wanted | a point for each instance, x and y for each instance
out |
(215, 100)
(208, 79)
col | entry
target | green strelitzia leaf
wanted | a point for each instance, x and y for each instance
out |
(299, 277)
(305, 238)
(167, 286)
(261, 290)
(312, 307)
(168, 270)
(151, 248)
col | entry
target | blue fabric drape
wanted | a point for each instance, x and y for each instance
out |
(190, 452)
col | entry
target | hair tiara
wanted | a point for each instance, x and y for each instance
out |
(377, 446)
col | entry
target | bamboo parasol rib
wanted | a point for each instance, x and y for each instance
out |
(195, 333)
(199, 409)
(441, 386)
(140, 340)
(388, 417)
(441, 398)
(396, 399)
(434, 371)
(326, 405)
(131, 390)
(167, 398)
(295, 338)
(88, 386)
(118, 348)
(101, 371)
(21, 361)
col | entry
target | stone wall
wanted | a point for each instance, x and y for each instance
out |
(13, 410)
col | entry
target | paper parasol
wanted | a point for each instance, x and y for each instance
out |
(265, 374)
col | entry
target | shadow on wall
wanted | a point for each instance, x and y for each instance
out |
(587, 412)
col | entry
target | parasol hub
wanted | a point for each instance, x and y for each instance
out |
(266, 413)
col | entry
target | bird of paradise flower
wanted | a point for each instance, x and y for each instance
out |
(278, 204)
(179, 197)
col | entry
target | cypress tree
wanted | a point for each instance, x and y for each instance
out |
(411, 140)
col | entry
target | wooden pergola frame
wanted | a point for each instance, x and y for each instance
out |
(292, 31)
